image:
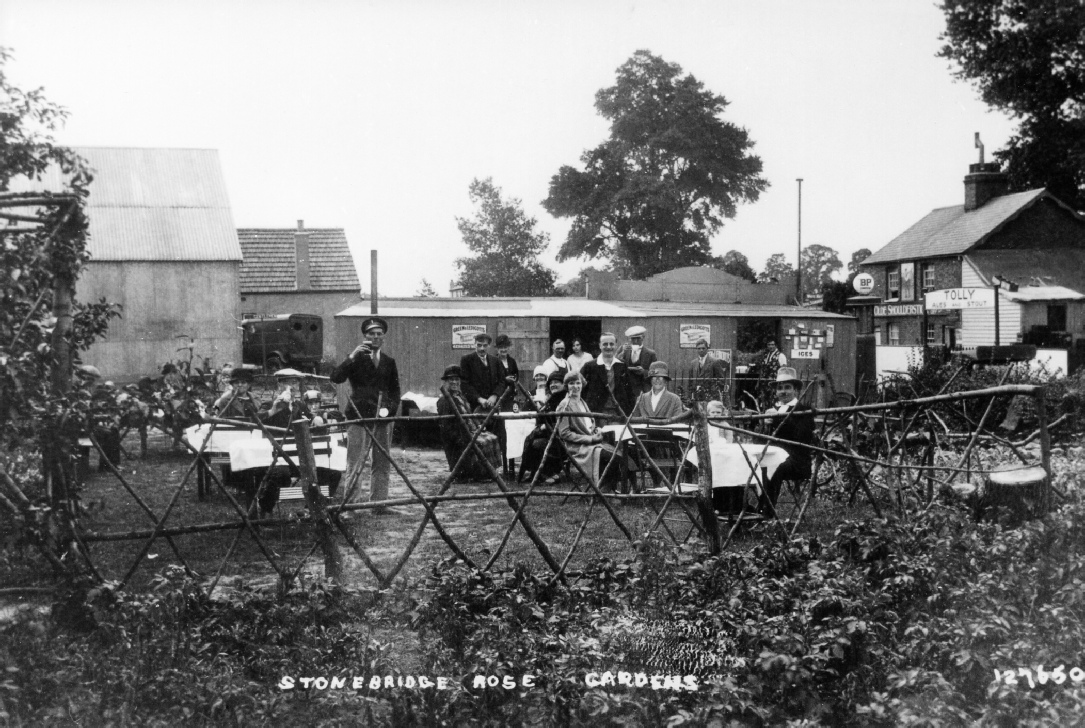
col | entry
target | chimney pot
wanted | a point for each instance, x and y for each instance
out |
(301, 224)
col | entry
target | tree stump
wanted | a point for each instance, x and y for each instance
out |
(1020, 491)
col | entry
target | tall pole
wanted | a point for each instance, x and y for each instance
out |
(373, 282)
(798, 257)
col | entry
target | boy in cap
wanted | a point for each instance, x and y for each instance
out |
(637, 358)
(374, 379)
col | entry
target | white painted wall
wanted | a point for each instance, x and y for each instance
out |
(978, 324)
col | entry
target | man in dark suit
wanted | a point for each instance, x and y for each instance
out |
(483, 375)
(707, 371)
(637, 358)
(607, 386)
(484, 383)
(374, 384)
(792, 421)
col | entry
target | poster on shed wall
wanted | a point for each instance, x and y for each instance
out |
(463, 335)
(690, 334)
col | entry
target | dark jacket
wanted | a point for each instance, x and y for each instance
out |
(797, 426)
(596, 394)
(481, 381)
(640, 380)
(713, 369)
(296, 411)
(367, 382)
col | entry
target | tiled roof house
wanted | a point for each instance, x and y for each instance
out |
(297, 270)
(1028, 238)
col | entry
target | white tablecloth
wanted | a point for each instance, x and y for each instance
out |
(621, 432)
(221, 439)
(730, 467)
(252, 453)
(516, 431)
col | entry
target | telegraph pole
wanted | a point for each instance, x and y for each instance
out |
(798, 258)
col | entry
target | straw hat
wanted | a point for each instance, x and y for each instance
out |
(787, 374)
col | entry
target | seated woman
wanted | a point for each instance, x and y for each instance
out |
(716, 431)
(583, 440)
(658, 402)
(542, 393)
(455, 438)
(535, 444)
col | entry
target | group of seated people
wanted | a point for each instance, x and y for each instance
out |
(599, 389)
(289, 403)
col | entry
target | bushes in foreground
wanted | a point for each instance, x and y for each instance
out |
(890, 623)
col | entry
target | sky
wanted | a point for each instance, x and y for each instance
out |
(376, 116)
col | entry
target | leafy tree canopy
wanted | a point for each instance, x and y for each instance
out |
(857, 258)
(506, 247)
(651, 196)
(737, 264)
(776, 269)
(819, 262)
(1025, 57)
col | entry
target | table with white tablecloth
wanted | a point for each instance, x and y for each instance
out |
(248, 454)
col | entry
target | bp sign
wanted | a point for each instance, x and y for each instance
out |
(863, 283)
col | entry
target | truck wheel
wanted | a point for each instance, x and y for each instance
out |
(273, 364)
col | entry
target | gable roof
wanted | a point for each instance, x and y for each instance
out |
(270, 263)
(1042, 275)
(952, 231)
(152, 204)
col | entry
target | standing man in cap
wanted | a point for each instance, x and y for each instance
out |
(483, 375)
(373, 377)
(637, 358)
(792, 421)
(484, 383)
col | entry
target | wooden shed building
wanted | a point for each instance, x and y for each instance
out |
(427, 334)
(163, 245)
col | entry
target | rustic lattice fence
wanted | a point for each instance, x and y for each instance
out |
(896, 454)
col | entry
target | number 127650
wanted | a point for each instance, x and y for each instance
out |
(1040, 676)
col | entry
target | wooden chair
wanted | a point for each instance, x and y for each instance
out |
(665, 451)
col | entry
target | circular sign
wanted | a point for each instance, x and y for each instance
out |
(863, 283)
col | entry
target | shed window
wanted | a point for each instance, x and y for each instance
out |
(894, 334)
(894, 284)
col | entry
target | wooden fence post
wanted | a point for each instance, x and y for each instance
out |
(704, 478)
(1045, 447)
(315, 501)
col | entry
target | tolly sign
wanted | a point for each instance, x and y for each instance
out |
(959, 298)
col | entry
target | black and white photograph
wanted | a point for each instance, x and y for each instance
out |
(642, 363)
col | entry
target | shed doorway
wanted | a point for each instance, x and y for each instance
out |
(587, 330)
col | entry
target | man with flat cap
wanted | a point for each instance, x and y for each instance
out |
(484, 382)
(374, 383)
(637, 358)
(483, 375)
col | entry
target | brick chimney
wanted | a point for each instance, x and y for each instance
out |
(301, 254)
(983, 182)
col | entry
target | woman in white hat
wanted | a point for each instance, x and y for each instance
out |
(658, 402)
(793, 421)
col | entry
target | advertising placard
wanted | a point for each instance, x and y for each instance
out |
(463, 335)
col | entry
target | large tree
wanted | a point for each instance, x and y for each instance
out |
(819, 262)
(651, 196)
(1025, 57)
(506, 247)
(737, 264)
(776, 269)
(857, 259)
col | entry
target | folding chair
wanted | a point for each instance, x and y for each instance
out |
(665, 451)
